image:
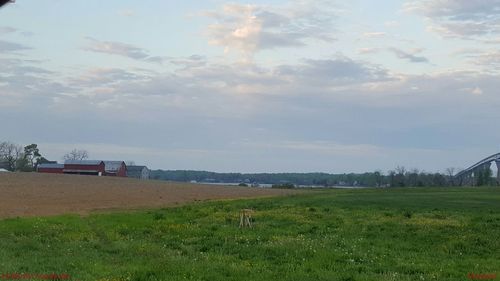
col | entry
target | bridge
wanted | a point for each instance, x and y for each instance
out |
(470, 175)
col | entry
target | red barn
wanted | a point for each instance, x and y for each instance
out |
(115, 168)
(84, 167)
(51, 168)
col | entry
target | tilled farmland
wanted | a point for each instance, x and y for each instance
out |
(32, 194)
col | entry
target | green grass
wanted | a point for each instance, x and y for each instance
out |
(396, 234)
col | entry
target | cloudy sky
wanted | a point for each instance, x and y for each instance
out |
(262, 86)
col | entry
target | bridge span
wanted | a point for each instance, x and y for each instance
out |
(470, 175)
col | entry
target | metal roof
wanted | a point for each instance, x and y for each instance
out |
(135, 168)
(109, 166)
(112, 166)
(83, 162)
(51, 166)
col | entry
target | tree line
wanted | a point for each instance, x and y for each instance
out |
(398, 177)
(15, 157)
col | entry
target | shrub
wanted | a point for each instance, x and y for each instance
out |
(283, 185)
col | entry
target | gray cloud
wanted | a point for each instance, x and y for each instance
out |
(121, 49)
(7, 29)
(100, 77)
(25, 86)
(407, 56)
(460, 18)
(6, 46)
(190, 62)
(338, 71)
(488, 60)
(455, 9)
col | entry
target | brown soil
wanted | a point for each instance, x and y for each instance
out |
(32, 194)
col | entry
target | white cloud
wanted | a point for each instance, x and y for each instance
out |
(365, 51)
(391, 24)
(126, 13)
(251, 28)
(374, 34)
(477, 91)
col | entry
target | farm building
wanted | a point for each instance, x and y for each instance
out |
(115, 168)
(138, 172)
(86, 167)
(4, 165)
(51, 168)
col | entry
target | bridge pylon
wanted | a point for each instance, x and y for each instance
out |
(497, 161)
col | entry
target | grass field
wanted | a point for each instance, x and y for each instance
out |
(396, 234)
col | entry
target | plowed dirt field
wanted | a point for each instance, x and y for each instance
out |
(32, 194)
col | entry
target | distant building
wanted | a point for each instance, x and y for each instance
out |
(50, 168)
(115, 168)
(138, 172)
(4, 165)
(84, 167)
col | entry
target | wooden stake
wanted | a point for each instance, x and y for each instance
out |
(246, 218)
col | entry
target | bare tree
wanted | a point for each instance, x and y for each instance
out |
(400, 176)
(392, 175)
(378, 178)
(10, 153)
(400, 170)
(76, 155)
(412, 176)
(450, 174)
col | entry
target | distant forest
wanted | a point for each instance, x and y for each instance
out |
(400, 177)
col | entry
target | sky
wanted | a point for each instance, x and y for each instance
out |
(261, 86)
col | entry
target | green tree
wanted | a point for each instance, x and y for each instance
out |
(483, 177)
(377, 175)
(42, 160)
(31, 155)
(23, 165)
